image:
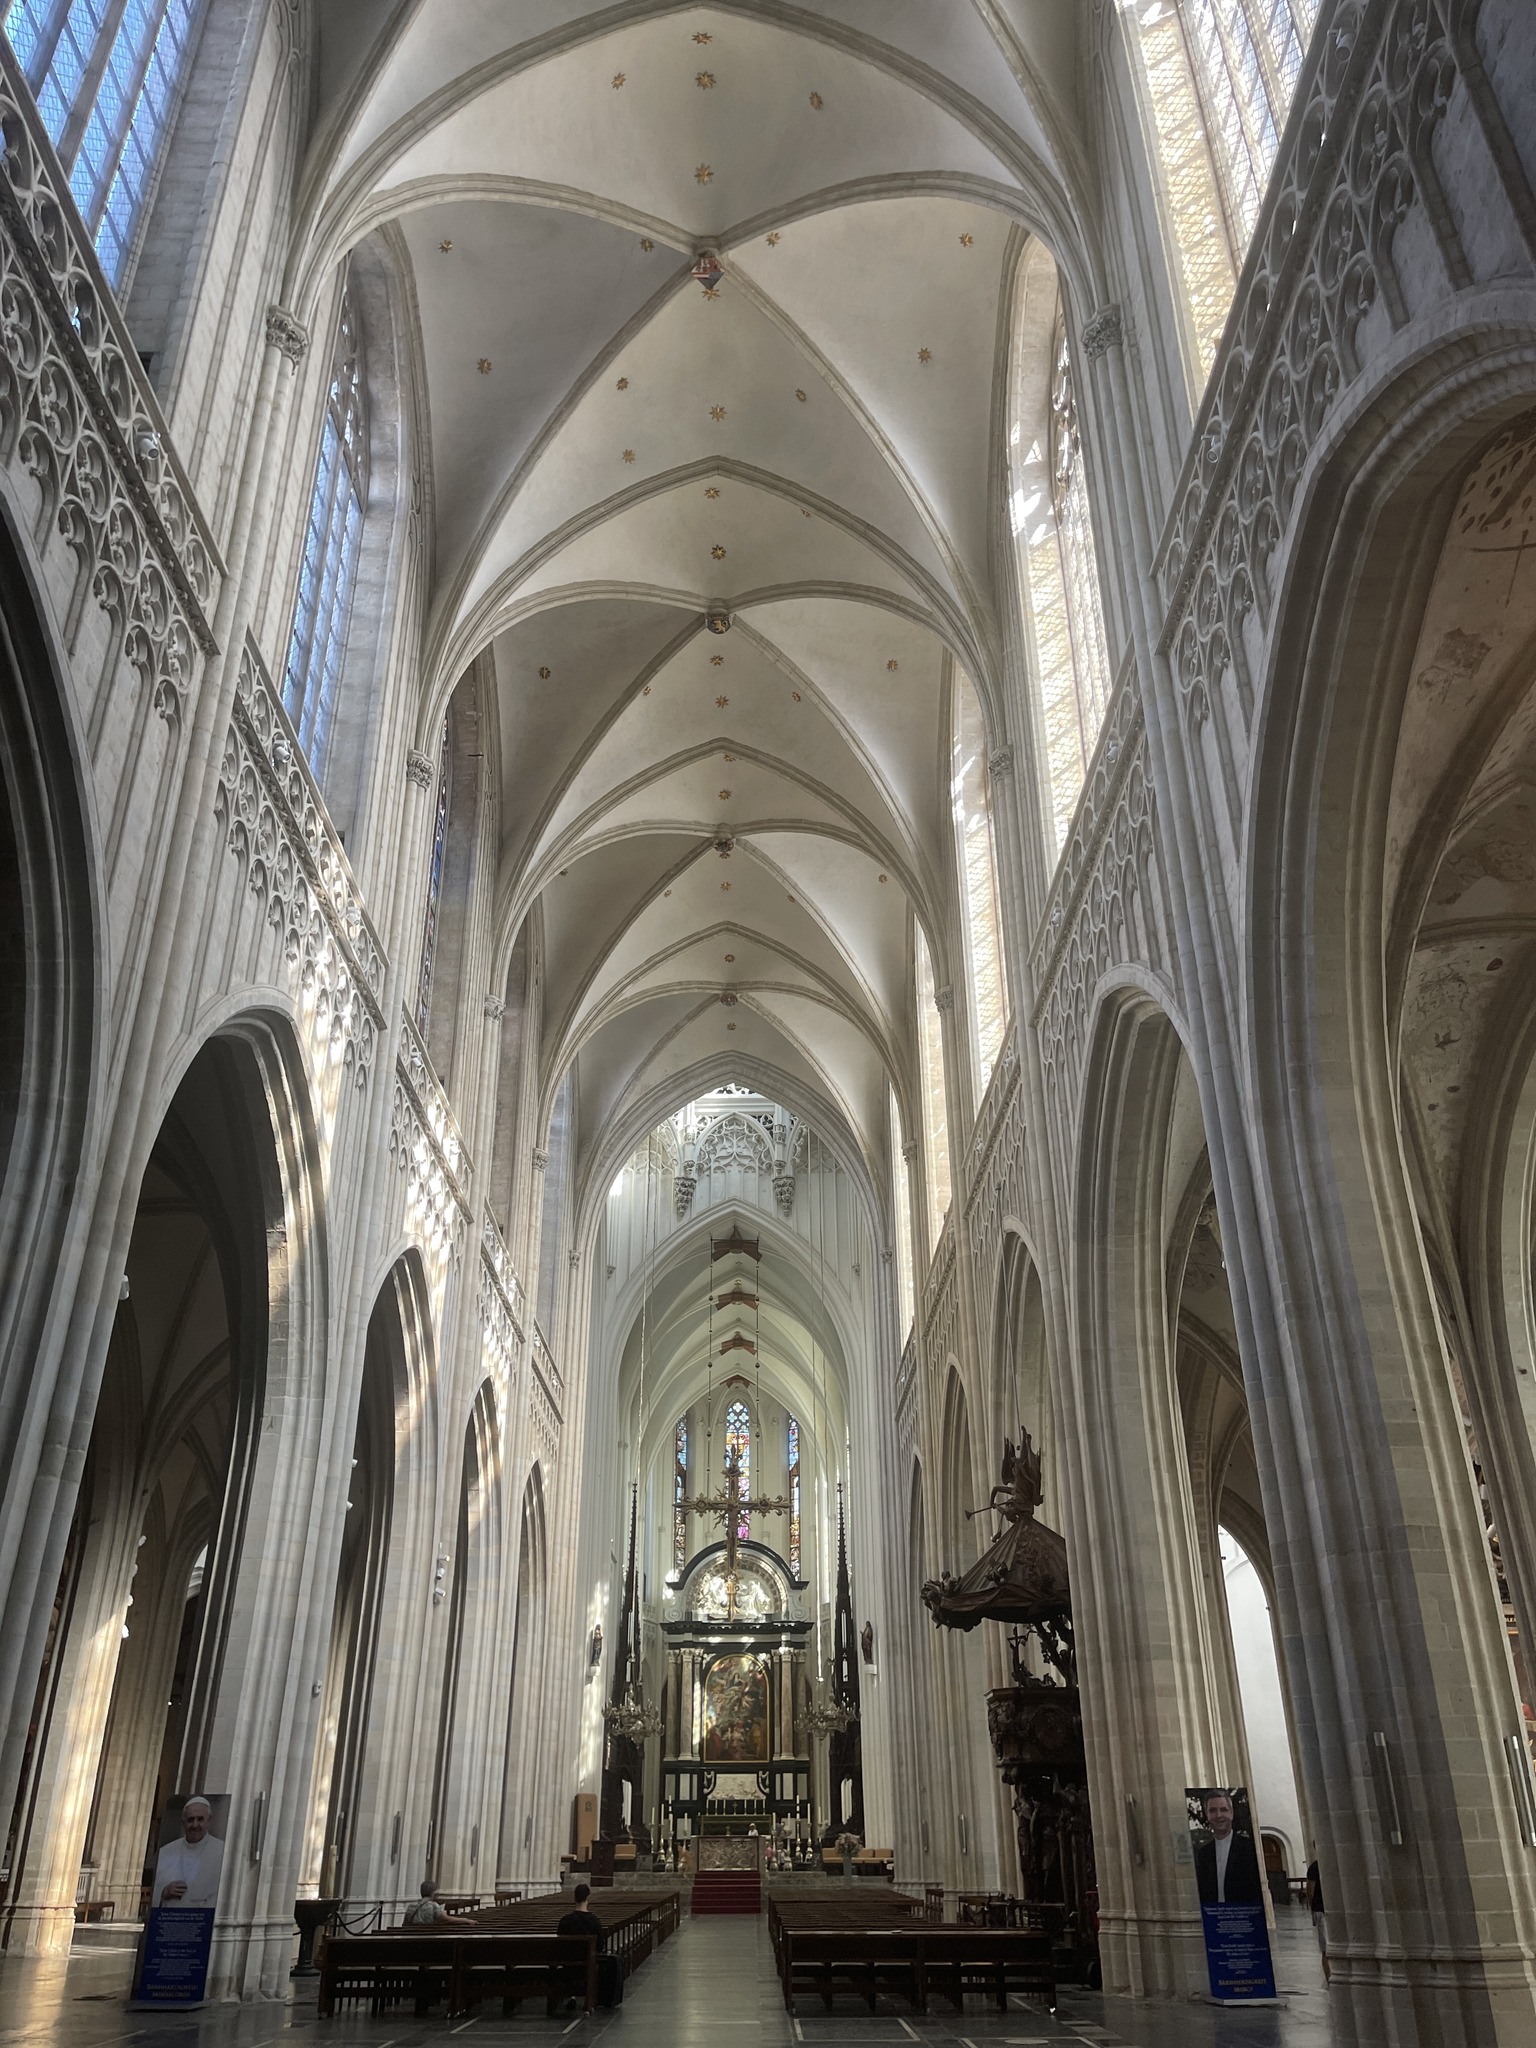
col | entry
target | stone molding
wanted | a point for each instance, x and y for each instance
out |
(276, 823)
(78, 412)
(287, 334)
(418, 769)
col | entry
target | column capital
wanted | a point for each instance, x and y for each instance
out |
(418, 769)
(287, 334)
(1104, 331)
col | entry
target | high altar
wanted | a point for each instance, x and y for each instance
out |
(735, 1743)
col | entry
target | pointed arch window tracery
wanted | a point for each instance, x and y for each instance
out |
(333, 532)
(792, 1449)
(976, 858)
(434, 888)
(680, 1494)
(738, 1446)
(107, 75)
(1220, 75)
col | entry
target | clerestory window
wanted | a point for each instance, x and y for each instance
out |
(1220, 75)
(106, 75)
(976, 855)
(333, 535)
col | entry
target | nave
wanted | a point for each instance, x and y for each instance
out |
(768, 980)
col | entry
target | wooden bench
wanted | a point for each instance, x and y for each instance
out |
(818, 1959)
(386, 1970)
(914, 1958)
(518, 1966)
(991, 1960)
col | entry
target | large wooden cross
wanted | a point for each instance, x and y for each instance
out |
(730, 1505)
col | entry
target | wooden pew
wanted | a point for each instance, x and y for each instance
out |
(389, 1969)
(518, 1966)
(386, 1969)
(868, 1961)
(994, 1960)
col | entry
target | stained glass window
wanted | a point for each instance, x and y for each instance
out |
(679, 1495)
(738, 1449)
(434, 889)
(1220, 75)
(333, 532)
(106, 78)
(971, 802)
(794, 1496)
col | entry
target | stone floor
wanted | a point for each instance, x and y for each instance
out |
(712, 1986)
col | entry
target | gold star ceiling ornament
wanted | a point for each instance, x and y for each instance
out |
(774, 239)
(711, 490)
(925, 355)
(967, 241)
(717, 552)
(629, 454)
(704, 80)
(618, 80)
(717, 413)
(622, 385)
(817, 101)
(703, 173)
(717, 661)
(702, 35)
(721, 702)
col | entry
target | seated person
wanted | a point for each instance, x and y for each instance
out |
(582, 1921)
(427, 1912)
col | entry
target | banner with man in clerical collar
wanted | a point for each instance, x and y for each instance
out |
(172, 1968)
(1230, 1878)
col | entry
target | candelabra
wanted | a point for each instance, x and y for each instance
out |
(633, 1717)
(835, 1718)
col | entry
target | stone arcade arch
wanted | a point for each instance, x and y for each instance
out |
(209, 1414)
(1354, 815)
(1152, 1701)
(49, 1025)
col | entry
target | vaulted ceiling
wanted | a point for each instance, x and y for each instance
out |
(811, 448)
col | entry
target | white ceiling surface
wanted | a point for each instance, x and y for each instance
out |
(811, 451)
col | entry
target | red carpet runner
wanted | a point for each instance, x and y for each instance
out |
(727, 1891)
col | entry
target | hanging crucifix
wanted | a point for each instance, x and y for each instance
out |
(730, 1507)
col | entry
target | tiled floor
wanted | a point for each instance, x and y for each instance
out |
(712, 1986)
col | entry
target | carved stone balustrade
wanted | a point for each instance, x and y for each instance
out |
(78, 413)
(278, 827)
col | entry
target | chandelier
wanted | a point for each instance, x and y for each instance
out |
(633, 1717)
(835, 1718)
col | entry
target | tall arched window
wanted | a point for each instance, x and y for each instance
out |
(930, 1061)
(905, 1282)
(106, 77)
(1053, 535)
(332, 535)
(738, 1448)
(792, 1449)
(680, 1494)
(434, 889)
(971, 803)
(1220, 75)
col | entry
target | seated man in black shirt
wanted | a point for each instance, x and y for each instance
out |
(583, 1921)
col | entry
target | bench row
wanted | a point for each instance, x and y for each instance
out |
(386, 1970)
(914, 1962)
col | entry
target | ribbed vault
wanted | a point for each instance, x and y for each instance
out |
(723, 837)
